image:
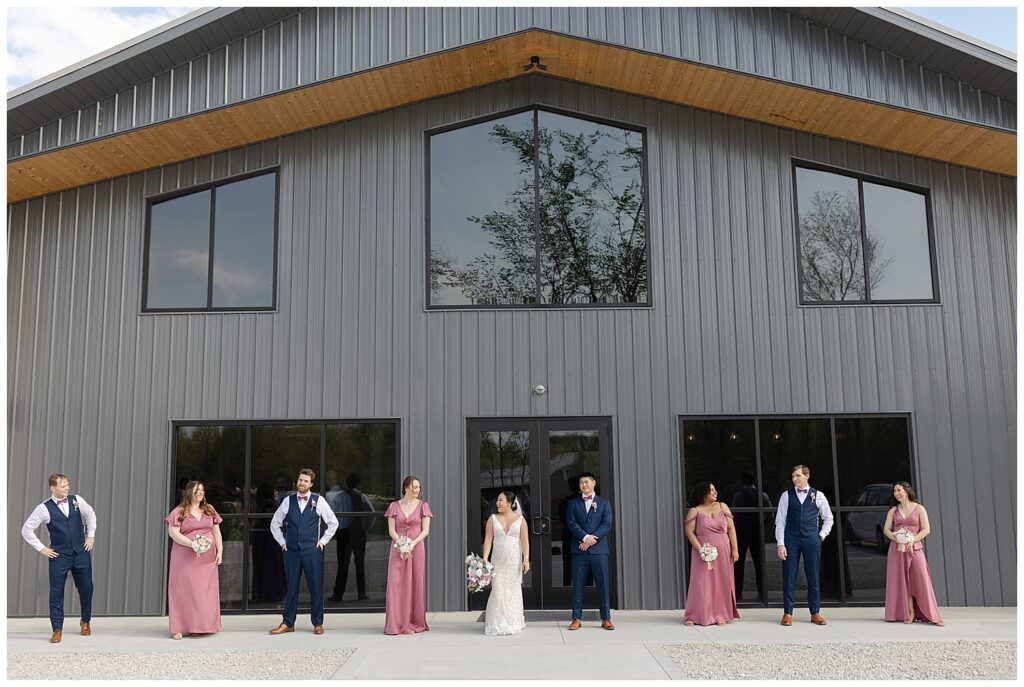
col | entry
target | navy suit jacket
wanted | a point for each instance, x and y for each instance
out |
(599, 525)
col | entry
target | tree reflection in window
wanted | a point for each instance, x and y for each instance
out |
(586, 219)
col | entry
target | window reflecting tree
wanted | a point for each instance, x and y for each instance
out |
(587, 219)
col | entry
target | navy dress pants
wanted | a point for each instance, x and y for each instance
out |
(810, 548)
(308, 562)
(80, 567)
(582, 566)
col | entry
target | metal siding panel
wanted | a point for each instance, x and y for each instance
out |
(308, 45)
(217, 78)
(180, 85)
(161, 106)
(325, 27)
(251, 63)
(292, 53)
(273, 59)
(235, 72)
(49, 136)
(198, 88)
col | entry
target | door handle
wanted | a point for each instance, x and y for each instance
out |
(545, 526)
(536, 525)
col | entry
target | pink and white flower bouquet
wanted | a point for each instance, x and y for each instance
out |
(905, 538)
(707, 553)
(403, 544)
(478, 573)
(201, 544)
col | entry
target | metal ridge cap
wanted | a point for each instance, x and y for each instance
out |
(927, 28)
(47, 84)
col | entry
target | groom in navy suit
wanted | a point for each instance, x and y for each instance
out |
(590, 522)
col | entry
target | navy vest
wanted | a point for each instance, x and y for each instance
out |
(67, 534)
(303, 527)
(802, 519)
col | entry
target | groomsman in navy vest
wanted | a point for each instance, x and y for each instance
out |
(589, 519)
(303, 547)
(71, 523)
(797, 533)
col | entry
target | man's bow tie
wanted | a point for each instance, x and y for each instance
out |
(64, 500)
(303, 498)
(801, 491)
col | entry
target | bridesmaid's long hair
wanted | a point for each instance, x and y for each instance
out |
(188, 497)
(911, 494)
(699, 492)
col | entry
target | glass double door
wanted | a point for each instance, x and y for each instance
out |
(540, 461)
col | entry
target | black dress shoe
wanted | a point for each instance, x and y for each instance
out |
(363, 597)
(334, 597)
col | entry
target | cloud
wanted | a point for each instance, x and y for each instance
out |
(43, 40)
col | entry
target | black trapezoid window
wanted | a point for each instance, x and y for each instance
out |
(537, 208)
(862, 239)
(213, 248)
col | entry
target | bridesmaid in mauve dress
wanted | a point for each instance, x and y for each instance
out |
(711, 596)
(406, 600)
(906, 571)
(193, 588)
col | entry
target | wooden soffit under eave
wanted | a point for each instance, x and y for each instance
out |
(639, 73)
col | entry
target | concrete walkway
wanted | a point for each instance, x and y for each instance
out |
(456, 647)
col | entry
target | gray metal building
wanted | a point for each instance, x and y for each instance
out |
(357, 358)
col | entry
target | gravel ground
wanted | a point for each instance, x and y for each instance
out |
(217, 665)
(956, 660)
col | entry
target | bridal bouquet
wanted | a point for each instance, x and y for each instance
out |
(478, 573)
(707, 553)
(403, 544)
(201, 544)
(905, 539)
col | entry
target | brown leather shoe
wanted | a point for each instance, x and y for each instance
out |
(574, 625)
(607, 625)
(817, 619)
(787, 619)
(86, 630)
(55, 637)
(318, 630)
(281, 629)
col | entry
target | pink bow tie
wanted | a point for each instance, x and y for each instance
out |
(588, 498)
(62, 501)
(801, 491)
(303, 498)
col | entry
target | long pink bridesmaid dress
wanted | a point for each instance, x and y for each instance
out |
(193, 587)
(711, 596)
(907, 574)
(406, 600)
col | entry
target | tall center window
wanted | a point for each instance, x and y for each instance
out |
(534, 209)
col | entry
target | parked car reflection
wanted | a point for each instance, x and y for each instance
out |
(865, 527)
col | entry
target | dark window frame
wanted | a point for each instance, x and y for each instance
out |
(212, 186)
(248, 517)
(536, 108)
(860, 178)
(837, 507)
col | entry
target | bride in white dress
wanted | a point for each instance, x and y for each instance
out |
(511, 558)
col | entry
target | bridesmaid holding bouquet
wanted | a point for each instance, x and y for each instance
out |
(908, 586)
(711, 597)
(408, 525)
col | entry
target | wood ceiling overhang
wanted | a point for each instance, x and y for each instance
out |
(623, 69)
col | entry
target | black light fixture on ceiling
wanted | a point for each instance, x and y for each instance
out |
(535, 62)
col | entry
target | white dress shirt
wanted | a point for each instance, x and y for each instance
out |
(41, 516)
(323, 509)
(823, 511)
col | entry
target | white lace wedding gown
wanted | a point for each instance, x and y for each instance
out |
(505, 605)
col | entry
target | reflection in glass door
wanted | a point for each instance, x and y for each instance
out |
(539, 460)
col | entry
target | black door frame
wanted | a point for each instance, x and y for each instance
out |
(540, 595)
